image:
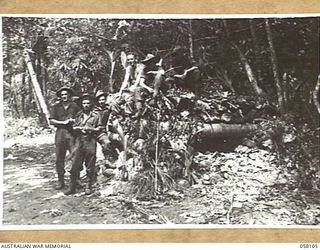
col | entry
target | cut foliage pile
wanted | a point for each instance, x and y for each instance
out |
(161, 146)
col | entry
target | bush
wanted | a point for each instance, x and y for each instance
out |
(27, 127)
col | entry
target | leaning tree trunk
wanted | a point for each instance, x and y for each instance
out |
(274, 62)
(316, 95)
(250, 74)
(44, 112)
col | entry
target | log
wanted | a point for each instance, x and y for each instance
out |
(35, 84)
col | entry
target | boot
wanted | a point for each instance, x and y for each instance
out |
(88, 189)
(72, 187)
(60, 184)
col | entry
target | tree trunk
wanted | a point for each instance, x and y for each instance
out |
(255, 47)
(250, 74)
(23, 95)
(43, 106)
(226, 67)
(316, 95)
(254, 36)
(14, 98)
(274, 62)
(111, 55)
(44, 74)
(252, 79)
(190, 40)
(30, 103)
(45, 80)
(38, 71)
(113, 63)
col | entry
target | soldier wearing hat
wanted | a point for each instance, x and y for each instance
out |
(87, 126)
(62, 116)
(101, 106)
(139, 82)
(103, 138)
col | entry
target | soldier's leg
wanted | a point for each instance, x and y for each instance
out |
(90, 148)
(73, 145)
(77, 161)
(138, 99)
(61, 149)
(128, 99)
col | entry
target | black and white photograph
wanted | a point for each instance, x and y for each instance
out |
(161, 120)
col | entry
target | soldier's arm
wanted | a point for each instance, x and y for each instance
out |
(53, 118)
(142, 84)
(126, 79)
(95, 126)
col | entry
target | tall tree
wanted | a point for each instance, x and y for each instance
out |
(275, 71)
(190, 40)
(255, 46)
(249, 72)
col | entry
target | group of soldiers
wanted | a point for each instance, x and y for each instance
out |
(78, 130)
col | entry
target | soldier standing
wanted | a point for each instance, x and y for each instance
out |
(103, 139)
(62, 116)
(87, 126)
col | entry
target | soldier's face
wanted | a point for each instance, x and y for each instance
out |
(64, 95)
(130, 59)
(86, 104)
(102, 101)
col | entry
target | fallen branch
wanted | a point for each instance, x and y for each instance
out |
(206, 38)
(132, 205)
(101, 37)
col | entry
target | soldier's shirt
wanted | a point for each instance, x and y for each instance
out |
(92, 120)
(60, 113)
(104, 114)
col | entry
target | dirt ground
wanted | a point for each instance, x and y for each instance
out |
(245, 187)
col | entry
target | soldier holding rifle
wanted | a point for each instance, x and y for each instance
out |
(87, 126)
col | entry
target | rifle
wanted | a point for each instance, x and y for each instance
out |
(86, 130)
